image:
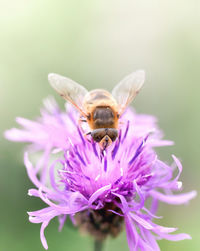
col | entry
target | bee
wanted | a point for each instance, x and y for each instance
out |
(99, 108)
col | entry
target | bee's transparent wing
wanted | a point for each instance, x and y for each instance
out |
(128, 88)
(69, 90)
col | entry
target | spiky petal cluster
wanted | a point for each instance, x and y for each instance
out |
(118, 181)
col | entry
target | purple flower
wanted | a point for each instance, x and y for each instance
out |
(101, 190)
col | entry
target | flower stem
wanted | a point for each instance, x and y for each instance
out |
(98, 245)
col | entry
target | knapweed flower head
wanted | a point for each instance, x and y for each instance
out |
(101, 191)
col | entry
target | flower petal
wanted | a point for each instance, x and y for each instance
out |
(141, 221)
(42, 237)
(99, 192)
(174, 199)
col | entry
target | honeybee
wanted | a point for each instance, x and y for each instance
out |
(99, 108)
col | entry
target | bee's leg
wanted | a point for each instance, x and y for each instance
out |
(83, 120)
(80, 121)
(86, 136)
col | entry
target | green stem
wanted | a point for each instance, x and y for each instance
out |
(98, 245)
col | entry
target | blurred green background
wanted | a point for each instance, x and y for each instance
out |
(97, 43)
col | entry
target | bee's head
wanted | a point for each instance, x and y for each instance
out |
(104, 136)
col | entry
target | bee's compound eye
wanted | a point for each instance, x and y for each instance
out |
(112, 133)
(97, 138)
(98, 134)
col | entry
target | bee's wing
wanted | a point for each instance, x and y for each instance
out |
(69, 90)
(128, 88)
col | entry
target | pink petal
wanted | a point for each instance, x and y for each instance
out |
(42, 237)
(141, 221)
(174, 199)
(99, 192)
